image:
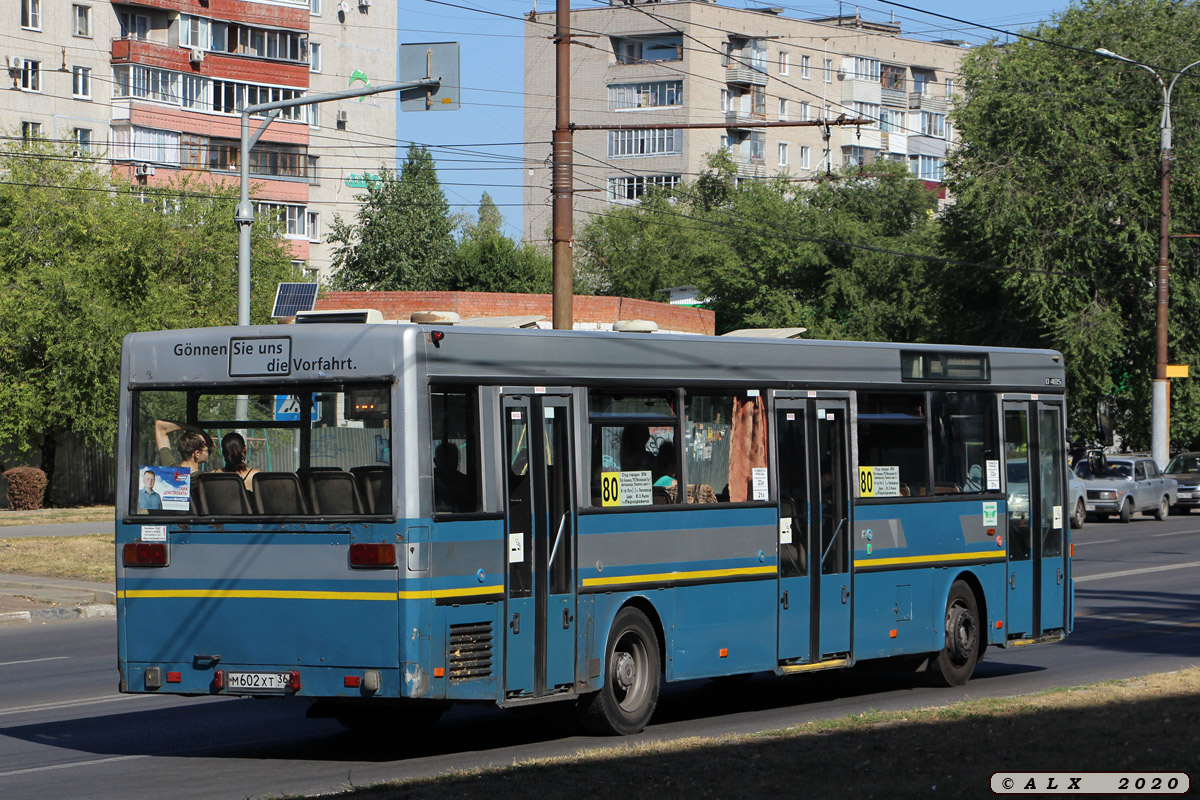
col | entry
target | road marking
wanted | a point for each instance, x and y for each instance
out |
(1176, 533)
(33, 661)
(1098, 541)
(69, 765)
(85, 701)
(1139, 620)
(1142, 571)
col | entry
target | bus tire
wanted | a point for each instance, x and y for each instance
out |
(954, 663)
(631, 677)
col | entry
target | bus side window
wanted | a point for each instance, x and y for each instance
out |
(455, 446)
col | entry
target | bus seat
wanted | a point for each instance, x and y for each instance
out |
(375, 485)
(332, 492)
(278, 493)
(660, 496)
(221, 493)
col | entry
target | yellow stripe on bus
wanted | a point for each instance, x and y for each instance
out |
(887, 562)
(283, 594)
(680, 576)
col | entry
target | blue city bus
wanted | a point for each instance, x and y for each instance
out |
(442, 514)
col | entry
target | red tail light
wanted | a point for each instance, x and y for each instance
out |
(294, 680)
(145, 554)
(373, 554)
(218, 681)
(352, 681)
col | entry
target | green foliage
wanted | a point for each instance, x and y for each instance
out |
(402, 238)
(772, 253)
(1058, 180)
(83, 262)
(486, 260)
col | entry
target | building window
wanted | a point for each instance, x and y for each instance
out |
(193, 151)
(314, 7)
(760, 101)
(293, 218)
(133, 26)
(867, 111)
(645, 95)
(314, 226)
(783, 154)
(312, 171)
(857, 156)
(921, 83)
(928, 168)
(758, 145)
(933, 124)
(630, 188)
(783, 108)
(314, 57)
(31, 14)
(891, 120)
(891, 77)
(783, 62)
(133, 143)
(726, 97)
(804, 111)
(805, 61)
(82, 137)
(622, 144)
(81, 82)
(805, 157)
(866, 69)
(949, 88)
(195, 31)
(828, 70)
(651, 48)
(31, 130)
(31, 76)
(82, 19)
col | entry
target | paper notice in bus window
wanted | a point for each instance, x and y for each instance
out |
(879, 481)
(785, 530)
(1058, 516)
(626, 489)
(516, 548)
(993, 475)
(759, 477)
(164, 489)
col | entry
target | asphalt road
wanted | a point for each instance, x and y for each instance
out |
(65, 732)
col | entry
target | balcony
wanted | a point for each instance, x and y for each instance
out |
(926, 102)
(745, 76)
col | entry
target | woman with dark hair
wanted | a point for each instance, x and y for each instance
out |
(233, 448)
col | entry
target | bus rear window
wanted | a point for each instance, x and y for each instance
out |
(294, 451)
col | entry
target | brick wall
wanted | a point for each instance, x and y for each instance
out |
(589, 311)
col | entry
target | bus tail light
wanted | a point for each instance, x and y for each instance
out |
(373, 554)
(218, 681)
(145, 554)
(294, 680)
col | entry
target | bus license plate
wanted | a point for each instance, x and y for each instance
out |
(257, 681)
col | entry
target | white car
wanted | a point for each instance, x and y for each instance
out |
(1124, 485)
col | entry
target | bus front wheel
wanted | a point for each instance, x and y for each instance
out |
(626, 701)
(954, 663)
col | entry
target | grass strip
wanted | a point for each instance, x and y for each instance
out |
(81, 558)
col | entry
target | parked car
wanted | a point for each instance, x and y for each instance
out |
(1185, 469)
(1125, 485)
(1018, 493)
(1076, 490)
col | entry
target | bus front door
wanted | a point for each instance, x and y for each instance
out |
(540, 633)
(814, 529)
(1035, 463)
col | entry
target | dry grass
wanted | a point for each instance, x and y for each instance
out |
(55, 516)
(83, 558)
(1145, 724)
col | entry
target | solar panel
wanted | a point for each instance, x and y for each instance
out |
(293, 297)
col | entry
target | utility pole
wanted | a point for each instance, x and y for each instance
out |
(563, 178)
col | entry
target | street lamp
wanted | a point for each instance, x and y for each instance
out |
(1159, 442)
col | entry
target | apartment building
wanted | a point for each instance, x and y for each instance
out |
(694, 61)
(157, 86)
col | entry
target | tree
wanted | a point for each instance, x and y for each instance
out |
(486, 260)
(1057, 186)
(403, 236)
(82, 263)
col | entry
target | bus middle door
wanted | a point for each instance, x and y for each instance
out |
(540, 630)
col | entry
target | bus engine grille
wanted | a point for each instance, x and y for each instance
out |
(470, 654)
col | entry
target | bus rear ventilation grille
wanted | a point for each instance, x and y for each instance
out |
(470, 653)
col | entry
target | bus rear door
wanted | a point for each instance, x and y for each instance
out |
(814, 528)
(540, 632)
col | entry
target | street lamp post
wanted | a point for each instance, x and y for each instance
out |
(1159, 440)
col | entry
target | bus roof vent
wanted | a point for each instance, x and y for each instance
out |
(768, 333)
(635, 326)
(435, 318)
(339, 315)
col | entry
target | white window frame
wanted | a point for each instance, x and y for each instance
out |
(805, 157)
(31, 76)
(933, 124)
(31, 15)
(645, 94)
(30, 130)
(867, 111)
(314, 8)
(631, 188)
(783, 109)
(784, 66)
(828, 70)
(928, 168)
(82, 137)
(81, 82)
(313, 220)
(642, 143)
(866, 69)
(804, 67)
(80, 12)
(783, 154)
(314, 56)
(293, 217)
(892, 120)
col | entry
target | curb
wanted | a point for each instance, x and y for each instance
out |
(58, 614)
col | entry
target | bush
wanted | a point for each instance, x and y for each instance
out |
(26, 486)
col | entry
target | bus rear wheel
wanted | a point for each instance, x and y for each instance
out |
(626, 701)
(954, 663)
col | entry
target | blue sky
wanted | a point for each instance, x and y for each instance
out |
(478, 147)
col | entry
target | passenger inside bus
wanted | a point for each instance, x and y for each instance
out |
(194, 445)
(233, 449)
(452, 490)
(634, 455)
